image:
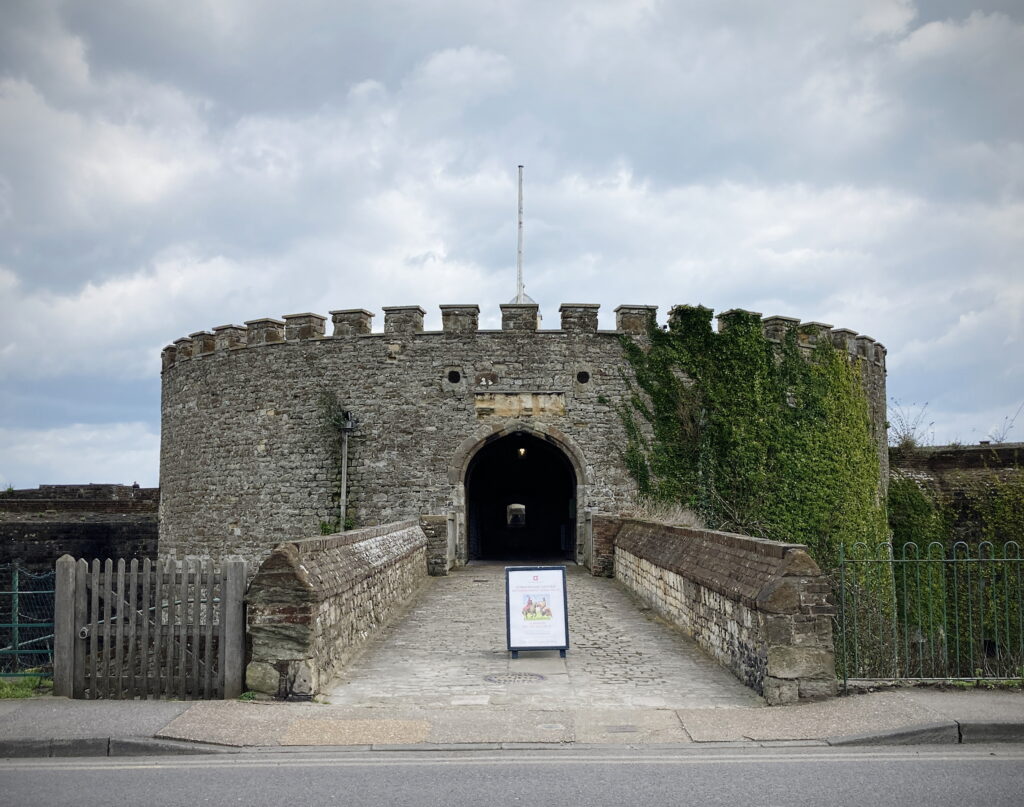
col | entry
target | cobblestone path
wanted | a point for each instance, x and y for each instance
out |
(438, 654)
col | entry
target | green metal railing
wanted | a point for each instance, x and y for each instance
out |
(937, 613)
(26, 621)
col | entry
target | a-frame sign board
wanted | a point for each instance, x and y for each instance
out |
(536, 609)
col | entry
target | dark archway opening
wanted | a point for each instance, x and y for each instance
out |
(523, 470)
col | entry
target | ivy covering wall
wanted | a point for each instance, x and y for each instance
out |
(757, 436)
(968, 507)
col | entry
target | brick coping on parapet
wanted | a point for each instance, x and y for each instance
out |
(462, 321)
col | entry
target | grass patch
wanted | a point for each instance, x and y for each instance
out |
(28, 687)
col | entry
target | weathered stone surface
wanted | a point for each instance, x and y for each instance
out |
(261, 676)
(801, 662)
(38, 525)
(520, 317)
(314, 603)
(736, 597)
(778, 692)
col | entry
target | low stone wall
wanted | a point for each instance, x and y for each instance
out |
(761, 608)
(314, 603)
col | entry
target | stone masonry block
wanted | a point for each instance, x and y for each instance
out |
(778, 692)
(351, 321)
(226, 337)
(460, 318)
(777, 327)
(303, 326)
(801, 662)
(521, 317)
(579, 317)
(634, 319)
(264, 331)
(202, 342)
(403, 319)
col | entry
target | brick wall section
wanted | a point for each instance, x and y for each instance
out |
(314, 603)
(761, 608)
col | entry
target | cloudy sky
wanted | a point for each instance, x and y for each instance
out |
(166, 167)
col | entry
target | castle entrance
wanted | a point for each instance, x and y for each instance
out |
(521, 501)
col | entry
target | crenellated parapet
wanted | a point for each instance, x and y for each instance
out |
(810, 334)
(463, 320)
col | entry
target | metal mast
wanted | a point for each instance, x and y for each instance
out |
(519, 247)
(521, 296)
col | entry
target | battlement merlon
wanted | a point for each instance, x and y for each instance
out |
(579, 317)
(299, 327)
(726, 317)
(403, 319)
(264, 331)
(520, 317)
(351, 321)
(460, 319)
(635, 319)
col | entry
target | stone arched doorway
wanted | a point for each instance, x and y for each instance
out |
(521, 500)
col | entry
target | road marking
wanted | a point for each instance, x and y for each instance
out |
(266, 761)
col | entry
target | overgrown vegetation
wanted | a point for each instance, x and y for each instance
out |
(754, 436)
(27, 687)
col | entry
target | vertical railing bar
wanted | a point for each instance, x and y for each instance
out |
(903, 580)
(81, 621)
(15, 610)
(919, 617)
(932, 593)
(197, 626)
(842, 615)
(208, 586)
(117, 681)
(167, 635)
(146, 614)
(856, 633)
(108, 574)
(94, 630)
(221, 643)
(944, 596)
(1020, 609)
(183, 630)
(890, 555)
(994, 586)
(970, 616)
(1008, 671)
(133, 625)
(956, 607)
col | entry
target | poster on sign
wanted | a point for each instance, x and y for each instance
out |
(536, 608)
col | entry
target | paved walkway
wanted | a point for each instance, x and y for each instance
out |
(450, 650)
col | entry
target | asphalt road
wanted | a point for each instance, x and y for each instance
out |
(990, 776)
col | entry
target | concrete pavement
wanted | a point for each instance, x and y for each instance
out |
(60, 727)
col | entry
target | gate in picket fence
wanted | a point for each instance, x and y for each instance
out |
(149, 630)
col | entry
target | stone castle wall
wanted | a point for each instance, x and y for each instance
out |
(761, 608)
(246, 460)
(314, 603)
(39, 525)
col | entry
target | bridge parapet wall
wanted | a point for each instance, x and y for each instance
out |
(313, 603)
(760, 607)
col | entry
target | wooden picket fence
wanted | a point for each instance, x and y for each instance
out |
(149, 630)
